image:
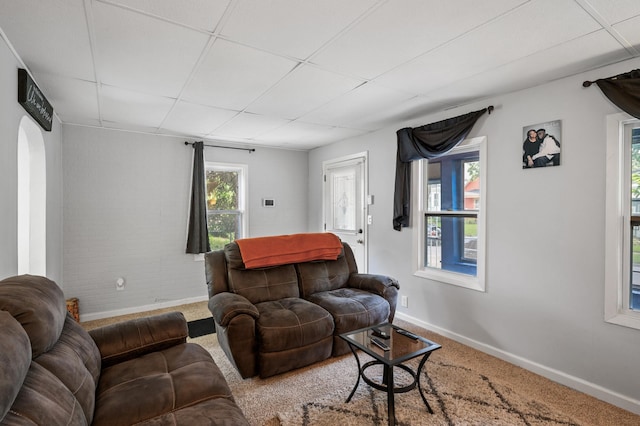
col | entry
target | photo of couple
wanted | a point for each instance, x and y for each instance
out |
(541, 146)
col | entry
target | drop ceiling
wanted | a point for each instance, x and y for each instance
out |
(300, 74)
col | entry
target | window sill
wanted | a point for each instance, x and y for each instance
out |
(453, 278)
(626, 319)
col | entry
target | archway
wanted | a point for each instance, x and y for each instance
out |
(32, 200)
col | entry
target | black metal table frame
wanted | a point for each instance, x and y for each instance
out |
(387, 377)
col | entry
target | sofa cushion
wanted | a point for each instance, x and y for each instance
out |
(291, 323)
(38, 304)
(163, 382)
(233, 256)
(75, 361)
(352, 308)
(123, 341)
(45, 400)
(15, 358)
(213, 412)
(322, 276)
(264, 285)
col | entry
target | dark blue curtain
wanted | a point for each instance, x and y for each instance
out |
(428, 141)
(623, 90)
(198, 236)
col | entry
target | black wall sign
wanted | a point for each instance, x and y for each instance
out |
(33, 101)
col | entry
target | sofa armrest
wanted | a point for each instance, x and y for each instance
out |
(131, 339)
(225, 306)
(377, 284)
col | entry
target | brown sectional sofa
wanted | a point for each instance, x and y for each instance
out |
(53, 372)
(275, 319)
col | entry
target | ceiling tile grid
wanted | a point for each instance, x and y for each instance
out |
(193, 119)
(232, 75)
(51, 37)
(292, 28)
(400, 31)
(301, 74)
(199, 14)
(138, 52)
(301, 91)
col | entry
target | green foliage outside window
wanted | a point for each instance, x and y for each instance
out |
(223, 215)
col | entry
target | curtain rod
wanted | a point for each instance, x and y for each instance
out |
(225, 147)
(588, 83)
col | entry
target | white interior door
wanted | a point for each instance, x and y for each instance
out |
(344, 205)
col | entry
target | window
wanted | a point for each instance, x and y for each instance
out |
(226, 204)
(450, 219)
(622, 223)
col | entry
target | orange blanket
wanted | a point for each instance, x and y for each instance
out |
(282, 249)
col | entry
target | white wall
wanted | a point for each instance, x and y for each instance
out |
(10, 118)
(543, 307)
(126, 201)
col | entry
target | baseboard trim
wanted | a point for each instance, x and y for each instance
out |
(145, 308)
(607, 395)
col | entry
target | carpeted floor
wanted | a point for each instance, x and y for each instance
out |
(463, 386)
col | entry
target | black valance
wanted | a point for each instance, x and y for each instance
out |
(428, 141)
(623, 90)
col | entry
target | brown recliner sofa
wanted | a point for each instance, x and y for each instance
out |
(279, 318)
(53, 372)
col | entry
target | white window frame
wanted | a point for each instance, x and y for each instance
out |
(617, 225)
(477, 144)
(243, 179)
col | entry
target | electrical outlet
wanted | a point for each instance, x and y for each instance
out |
(404, 301)
(120, 284)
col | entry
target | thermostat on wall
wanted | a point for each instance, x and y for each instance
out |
(268, 202)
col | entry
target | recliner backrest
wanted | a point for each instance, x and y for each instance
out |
(262, 284)
(63, 364)
(326, 275)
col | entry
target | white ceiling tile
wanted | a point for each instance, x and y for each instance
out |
(132, 127)
(367, 64)
(306, 135)
(144, 54)
(196, 119)
(566, 59)
(232, 76)
(392, 114)
(616, 11)
(247, 126)
(399, 31)
(487, 47)
(296, 131)
(356, 106)
(73, 100)
(44, 46)
(128, 107)
(407, 111)
(304, 90)
(334, 134)
(291, 27)
(630, 30)
(203, 14)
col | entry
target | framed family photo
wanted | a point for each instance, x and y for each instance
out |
(541, 146)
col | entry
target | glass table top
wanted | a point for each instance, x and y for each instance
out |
(399, 347)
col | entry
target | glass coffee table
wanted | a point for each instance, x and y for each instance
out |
(390, 346)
